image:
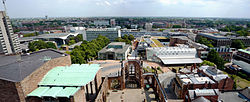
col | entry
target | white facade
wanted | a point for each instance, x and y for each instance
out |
(101, 23)
(8, 40)
(148, 26)
(112, 22)
(111, 33)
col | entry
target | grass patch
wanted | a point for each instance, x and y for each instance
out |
(157, 43)
(153, 45)
(240, 82)
(161, 37)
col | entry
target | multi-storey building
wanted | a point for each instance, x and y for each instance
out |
(148, 26)
(115, 51)
(112, 22)
(223, 81)
(217, 39)
(9, 43)
(225, 53)
(245, 40)
(243, 54)
(111, 33)
(21, 74)
(101, 22)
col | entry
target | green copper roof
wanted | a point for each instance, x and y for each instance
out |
(39, 91)
(68, 91)
(54, 92)
(245, 51)
(65, 81)
(74, 75)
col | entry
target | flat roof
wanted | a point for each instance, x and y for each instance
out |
(214, 72)
(213, 36)
(203, 92)
(180, 60)
(123, 50)
(245, 51)
(15, 68)
(74, 75)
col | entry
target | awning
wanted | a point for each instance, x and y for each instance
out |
(180, 60)
(54, 92)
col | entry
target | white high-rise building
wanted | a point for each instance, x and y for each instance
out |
(9, 43)
(148, 26)
(112, 22)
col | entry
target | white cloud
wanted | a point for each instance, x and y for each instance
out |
(107, 3)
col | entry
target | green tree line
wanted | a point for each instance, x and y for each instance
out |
(126, 38)
(37, 45)
(87, 50)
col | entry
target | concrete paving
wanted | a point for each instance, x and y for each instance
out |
(127, 95)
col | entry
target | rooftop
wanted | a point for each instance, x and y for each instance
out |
(102, 29)
(15, 68)
(221, 49)
(54, 92)
(74, 75)
(117, 47)
(65, 81)
(203, 92)
(194, 79)
(213, 36)
(245, 51)
(214, 72)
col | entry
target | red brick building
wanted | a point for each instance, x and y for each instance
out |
(223, 80)
(184, 82)
(202, 95)
(20, 74)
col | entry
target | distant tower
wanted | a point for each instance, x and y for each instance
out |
(9, 42)
(184, 25)
(46, 16)
(148, 26)
(112, 22)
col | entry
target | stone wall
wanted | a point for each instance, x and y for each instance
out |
(79, 96)
(31, 82)
(8, 91)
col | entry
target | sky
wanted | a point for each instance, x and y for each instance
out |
(93, 8)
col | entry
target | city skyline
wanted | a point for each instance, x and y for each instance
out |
(146, 8)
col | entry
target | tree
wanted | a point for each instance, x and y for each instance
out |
(176, 26)
(213, 56)
(71, 42)
(125, 38)
(206, 42)
(51, 45)
(37, 45)
(238, 44)
(131, 37)
(88, 50)
(205, 62)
